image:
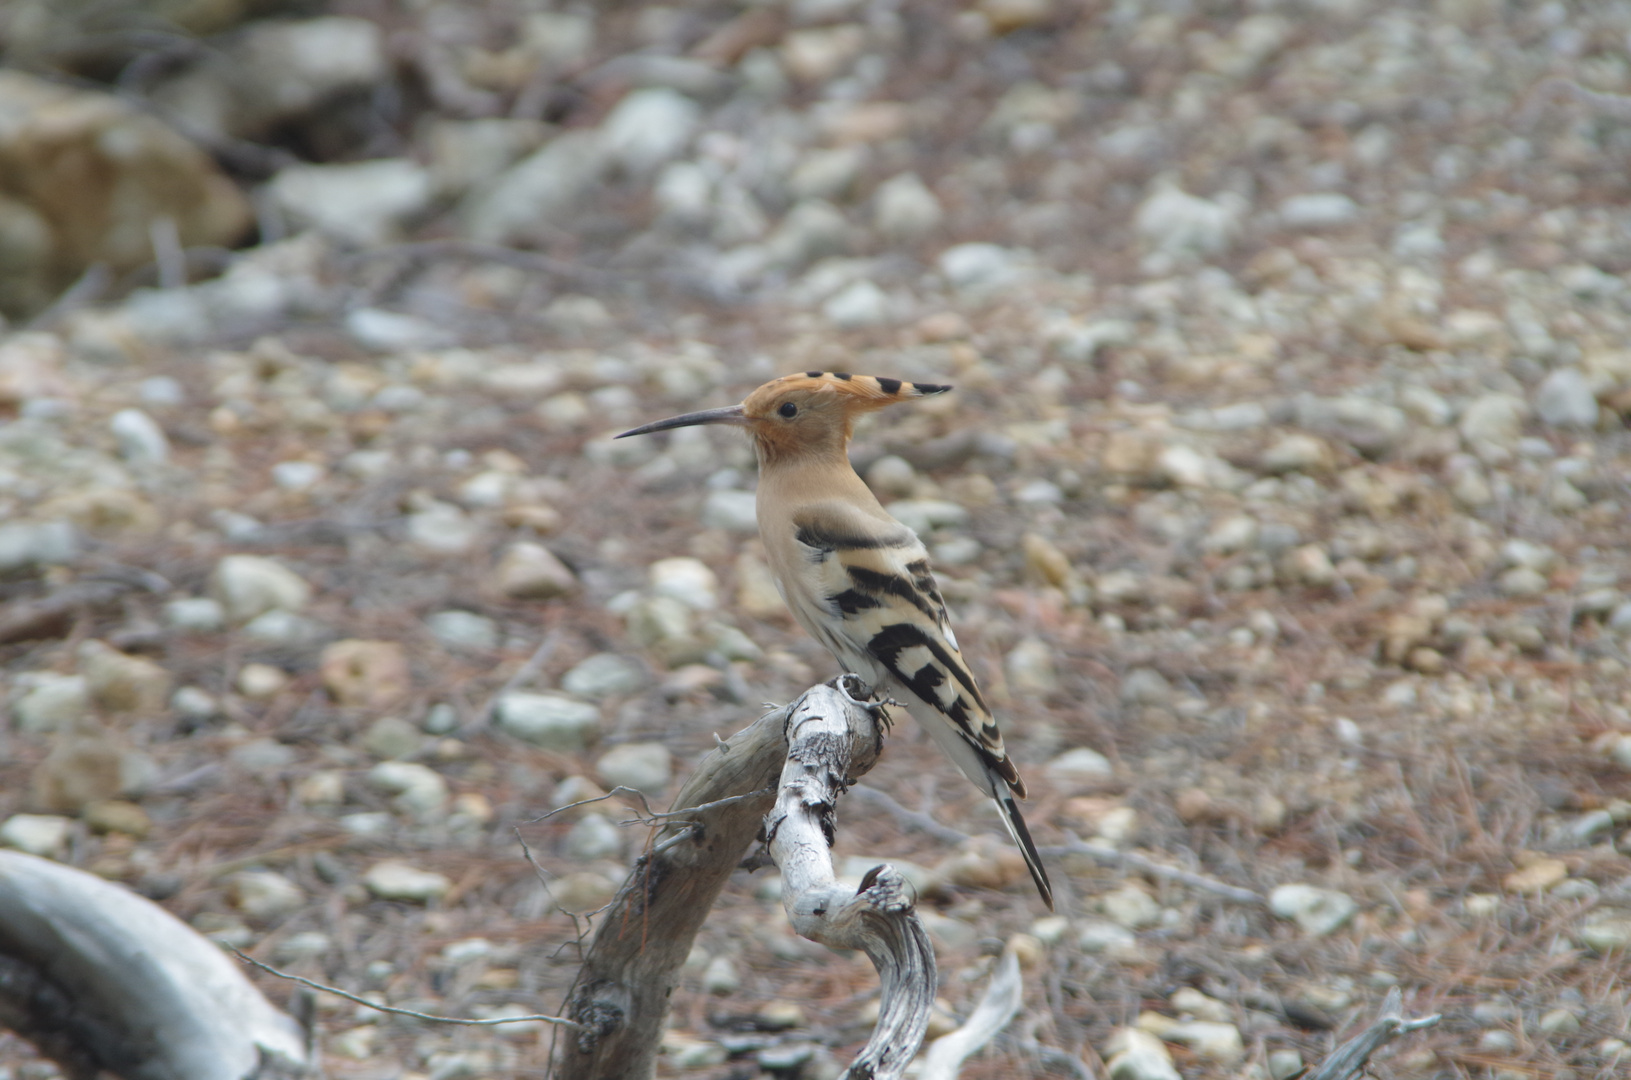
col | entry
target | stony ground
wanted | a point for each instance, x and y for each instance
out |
(1282, 507)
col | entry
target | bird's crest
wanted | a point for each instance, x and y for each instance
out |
(853, 393)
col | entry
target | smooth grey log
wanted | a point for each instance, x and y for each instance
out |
(100, 978)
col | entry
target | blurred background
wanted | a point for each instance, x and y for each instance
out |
(1282, 504)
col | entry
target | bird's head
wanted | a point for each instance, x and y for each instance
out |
(810, 413)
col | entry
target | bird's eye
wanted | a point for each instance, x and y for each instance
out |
(788, 410)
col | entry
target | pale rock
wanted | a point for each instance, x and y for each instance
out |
(48, 543)
(1101, 936)
(594, 837)
(756, 592)
(548, 720)
(258, 682)
(666, 627)
(141, 440)
(859, 305)
(419, 791)
(1231, 535)
(684, 193)
(283, 628)
(541, 190)
(1130, 906)
(1176, 224)
(817, 54)
(583, 891)
(1189, 1001)
(394, 880)
(1145, 686)
(363, 203)
(1521, 581)
(264, 895)
(325, 787)
(1316, 911)
(924, 516)
(298, 476)
(368, 674)
(720, 977)
(605, 675)
(441, 528)
(121, 683)
(1607, 930)
(1538, 877)
(980, 267)
(1424, 405)
(392, 737)
(1030, 667)
(731, 510)
(646, 767)
(1215, 1040)
(249, 585)
(687, 580)
(649, 127)
(52, 701)
(45, 835)
(1137, 1055)
(1310, 565)
(530, 571)
(195, 615)
(1320, 210)
(1078, 767)
(1373, 428)
(1564, 399)
(1494, 420)
(828, 173)
(464, 630)
(904, 209)
(811, 230)
(305, 945)
(1560, 1022)
(1297, 453)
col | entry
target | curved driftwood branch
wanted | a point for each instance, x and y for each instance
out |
(622, 994)
(1349, 1059)
(1001, 1001)
(100, 978)
(832, 738)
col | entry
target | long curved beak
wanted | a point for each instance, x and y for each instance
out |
(730, 414)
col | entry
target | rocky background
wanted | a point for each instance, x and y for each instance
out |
(1283, 502)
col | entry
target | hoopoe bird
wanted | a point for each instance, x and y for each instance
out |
(857, 579)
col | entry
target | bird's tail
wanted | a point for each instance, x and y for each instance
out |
(1015, 821)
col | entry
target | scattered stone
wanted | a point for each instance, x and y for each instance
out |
(1370, 427)
(464, 631)
(420, 791)
(1494, 420)
(645, 767)
(1176, 224)
(1285, 1064)
(362, 203)
(1030, 669)
(904, 209)
(366, 674)
(249, 585)
(141, 440)
(264, 895)
(1565, 399)
(195, 615)
(550, 721)
(1316, 911)
(1130, 906)
(1538, 877)
(531, 571)
(980, 267)
(52, 701)
(733, 511)
(1079, 767)
(924, 516)
(1145, 686)
(45, 835)
(1523, 581)
(1297, 453)
(721, 976)
(117, 816)
(440, 528)
(648, 128)
(605, 675)
(687, 580)
(393, 880)
(391, 737)
(1322, 210)
(594, 837)
(260, 681)
(50, 543)
(583, 892)
(1560, 1022)
(1132, 1054)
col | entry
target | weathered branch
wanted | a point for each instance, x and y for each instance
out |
(100, 978)
(1349, 1059)
(622, 994)
(1001, 1001)
(831, 738)
(623, 989)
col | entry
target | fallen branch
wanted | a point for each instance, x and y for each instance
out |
(1001, 1001)
(100, 978)
(1349, 1059)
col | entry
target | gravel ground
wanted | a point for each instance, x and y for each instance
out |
(1282, 506)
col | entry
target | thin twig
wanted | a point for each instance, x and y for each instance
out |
(535, 663)
(336, 991)
(1349, 1059)
(471, 249)
(87, 290)
(915, 818)
(1133, 860)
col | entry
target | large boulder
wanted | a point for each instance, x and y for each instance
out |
(83, 179)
